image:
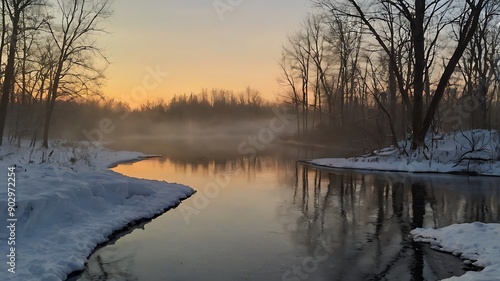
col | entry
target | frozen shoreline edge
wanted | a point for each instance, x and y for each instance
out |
(70, 203)
(474, 270)
(380, 171)
(132, 224)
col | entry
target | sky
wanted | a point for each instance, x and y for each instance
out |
(159, 48)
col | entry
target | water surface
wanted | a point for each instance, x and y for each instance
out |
(270, 218)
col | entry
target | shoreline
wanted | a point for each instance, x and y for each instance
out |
(132, 225)
(69, 209)
(472, 266)
(116, 235)
(132, 161)
(338, 168)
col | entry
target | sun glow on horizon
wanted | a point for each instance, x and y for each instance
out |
(197, 48)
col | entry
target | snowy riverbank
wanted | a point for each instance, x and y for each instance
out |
(474, 152)
(470, 152)
(476, 243)
(67, 202)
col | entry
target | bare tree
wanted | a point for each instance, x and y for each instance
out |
(315, 25)
(75, 70)
(479, 62)
(289, 75)
(3, 36)
(324, 56)
(299, 54)
(14, 10)
(22, 108)
(374, 89)
(426, 21)
(344, 37)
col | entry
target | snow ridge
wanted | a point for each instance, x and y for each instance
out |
(69, 202)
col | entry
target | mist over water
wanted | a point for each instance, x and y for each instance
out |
(223, 129)
(189, 141)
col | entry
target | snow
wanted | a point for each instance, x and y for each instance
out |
(469, 152)
(476, 243)
(68, 202)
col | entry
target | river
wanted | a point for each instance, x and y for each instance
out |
(270, 218)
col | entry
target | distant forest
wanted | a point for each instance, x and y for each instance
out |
(206, 109)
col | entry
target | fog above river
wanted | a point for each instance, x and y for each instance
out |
(246, 133)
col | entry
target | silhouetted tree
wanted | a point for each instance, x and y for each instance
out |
(426, 21)
(13, 10)
(75, 72)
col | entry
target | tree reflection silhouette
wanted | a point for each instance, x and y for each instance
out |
(370, 216)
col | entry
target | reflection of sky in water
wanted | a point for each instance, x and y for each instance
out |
(266, 220)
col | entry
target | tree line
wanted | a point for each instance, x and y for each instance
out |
(421, 66)
(206, 108)
(209, 104)
(48, 55)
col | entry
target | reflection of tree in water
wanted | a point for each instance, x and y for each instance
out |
(369, 219)
(105, 269)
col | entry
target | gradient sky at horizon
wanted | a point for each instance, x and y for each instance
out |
(198, 48)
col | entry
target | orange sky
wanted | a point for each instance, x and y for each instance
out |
(198, 45)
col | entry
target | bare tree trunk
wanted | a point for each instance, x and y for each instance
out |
(466, 33)
(9, 71)
(48, 117)
(4, 34)
(417, 27)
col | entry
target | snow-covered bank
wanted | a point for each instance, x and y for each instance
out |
(470, 152)
(68, 202)
(476, 243)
